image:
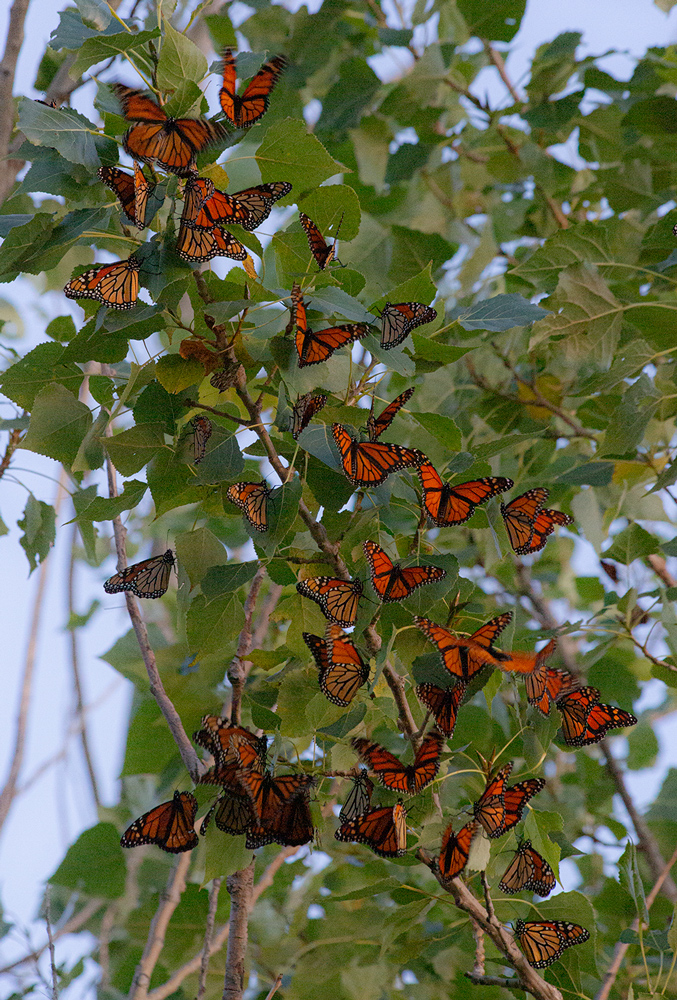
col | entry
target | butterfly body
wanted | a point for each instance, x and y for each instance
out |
(448, 505)
(384, 830)
(304, 410)
(323, 254)
(247, 208)
(370, 463)
(169, 826)
(390, 581)
(407, 779)
(148, 578)
(443, 703)
(342, 671)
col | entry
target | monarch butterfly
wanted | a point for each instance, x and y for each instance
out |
(370, 463)
(199, 245)
(543, 941)
(465, 656)
(530, 664)
(315, 347)
(304, 410)
(291, 826)
(586, 721)
(131, 192)
(233, 813)
(342, 669)
(408, 779)
(377, 426)
(148, 578)
(528, 870)
(323, 253)
(230, 743)
(383, 829)
(271, 799)
(172, 143)
(247, 208)
(227, 376)
(547, 684)
(252, 498)
(338, 599)
(243, 111)
(116, 285)
(528, 523)
(169, 825)
(443, 703)
(202, 431)
(390, 581)
(446, 504)
(455, 850)
(498, 808)
(358, 799)
(400, 318)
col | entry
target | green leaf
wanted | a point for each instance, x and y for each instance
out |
(225, 854)
(432, 350)
(131, 450)
(642, 747)
(175, 373)
(39, 527)
(441, 427)
(590, 474)
(94, 865)
(653, 116)
(349, 97)
(224, 461)
(290, 153)
(498, 21)
(95, 50)
(212, 626)
(197, 551)
(500, 313)
(29, 375)
(567, 247)
(63, 129)
(105, 508)
(225, 579)
(634, 542)
(58, 424)
(180, 60)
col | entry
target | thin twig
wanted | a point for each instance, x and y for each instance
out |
(275, 987)
(506, 983)
(209, 933)
(621, 947)
(12, 445)
(659, 567)
(157, 689)
(9, 790)
(169, 900)
(194, 405)
(50, 939)
(239, 666)
(497, 59)
(107, 925)
(75, 668)
(221, 935)
(70, 927)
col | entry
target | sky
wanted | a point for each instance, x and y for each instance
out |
(58, 806)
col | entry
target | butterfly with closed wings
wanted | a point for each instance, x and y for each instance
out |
(455, 850)
(585, 720)
(342, 671)
(528, 871)
(303, 411)
(131, 192)
(376, 426)
(114, 285)
(544, 941)
(252, 498)
(339, 599)
(323, 254)
(148, 578)
(400, 318)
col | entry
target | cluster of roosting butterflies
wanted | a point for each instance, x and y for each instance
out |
(253, 800)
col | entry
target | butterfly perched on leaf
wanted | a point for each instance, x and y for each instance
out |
(131, 192)
(528, 871)
(408, 779)
(376, 426)
(499, 808)
(400, 318)
(314, 347)
(232, 813)
(247, 208)
(342, 671)
(323, 254)
(280, 806)
(244, 110)
(528, 523)
(545, 684)
(115, 285)
(358, 798)
(202, 431)
(465, 656)
(148, 578)
(384, 830)
(303, 411)
(338, 599)
(199, 245)
(172, 143)
(585, 720)
(390, 581)
(544, 941)
(446, 505)
(169, 825)
(252, 498)
(370, 463)
(455, 850)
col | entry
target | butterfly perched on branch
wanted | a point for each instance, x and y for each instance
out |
(528, 523)
(323, 254)
(384, 830)
(528, 871)
(303, 411)
(131, 192)
(544, 941)
(499, 808)
(252, 498)
(148, 578)
(455, 850)
(169, 826)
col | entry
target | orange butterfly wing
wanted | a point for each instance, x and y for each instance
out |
(245, 111)
(519, 516)
(489, 809)
(544, 525)
(463, 657)
(259, 201)
(384, 830)
(447, 505)
(199, 245)
(370, 464)
(377, 426)
(529, 871)
(443, 703)
(391, 582)
(252, 498)
(338, 599)
(346, 671)
(400, 318)
(304, 410)
(455, 850)
(408, 779)
(169, 825)
(320, 249)
(148, 578)
(122, 184)
(115, 285)
(543, 941)
(515, 798)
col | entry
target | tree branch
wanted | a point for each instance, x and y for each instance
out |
(157, 689)
(209, 933)
(497, 59)
(659, 567)
(221, 936)
(240, 887)
(239, 667)
(12, 445)
(169, 900)
(13, 43)
(528, 978)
